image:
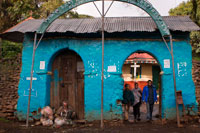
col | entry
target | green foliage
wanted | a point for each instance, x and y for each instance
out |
(10, 50)
(192, 9)
(21, 9)
(84, 16)
(48, 7)
(197, 58)
(14, 11)
(195, 41)
(4, 120)
(182, 10)
(5, 18)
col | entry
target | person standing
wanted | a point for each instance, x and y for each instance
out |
(149, 96)
(137, 102)
(128, 100)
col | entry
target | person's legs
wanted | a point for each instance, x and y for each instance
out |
(151, 110)
(128, 107)
(135, 111)
(139, 111)
(73, 116)
(148, 110)
(126, 111)
(69, 114)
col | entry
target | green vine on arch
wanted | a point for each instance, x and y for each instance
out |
(143, 4)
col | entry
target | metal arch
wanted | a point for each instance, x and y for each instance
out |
(143, 4)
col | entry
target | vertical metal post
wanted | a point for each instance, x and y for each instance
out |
(102, 76)
(174, 77)
(31, 80)
(1, 55)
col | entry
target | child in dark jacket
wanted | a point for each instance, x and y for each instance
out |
(128, 100)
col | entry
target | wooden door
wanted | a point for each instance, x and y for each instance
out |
(68, 82)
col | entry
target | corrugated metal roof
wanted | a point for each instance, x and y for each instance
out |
(112, 24)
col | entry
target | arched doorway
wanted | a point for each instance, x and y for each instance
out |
(67, 81)
(141, 67)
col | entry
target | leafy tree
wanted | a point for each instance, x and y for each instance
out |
(14, 11)
(192, 9)
(10, 49)
(49, 6)
(195, 41)
(182, 10)
(5, 18)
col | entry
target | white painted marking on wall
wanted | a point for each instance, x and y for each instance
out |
(29, 78)
(112, 69)
(42, 65)
(166, 63)
(182, 71)
(33, 93)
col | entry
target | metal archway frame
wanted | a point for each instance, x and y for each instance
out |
(143, 4)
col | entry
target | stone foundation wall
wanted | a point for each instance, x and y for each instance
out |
(9, 80)
(196, 78)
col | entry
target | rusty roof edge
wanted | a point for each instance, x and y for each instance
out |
(30, 18)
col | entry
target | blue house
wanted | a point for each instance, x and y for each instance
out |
(68, 63)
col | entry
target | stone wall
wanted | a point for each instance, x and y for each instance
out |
(9, 79)
(196, 78)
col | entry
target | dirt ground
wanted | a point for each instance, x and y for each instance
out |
(114, 126)
(110, 127)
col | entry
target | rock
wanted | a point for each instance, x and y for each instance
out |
(131, 121)
(10, 107)
(2, 131)
(38, 123)
(90, 125)
(195, 126)
(80, 121)
(2, 115)
(196, 78)
(9, 79)
(9, 114)
(164, 121)
(115, 120)
(15, 107)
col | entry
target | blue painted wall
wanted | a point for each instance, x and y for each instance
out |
(116, 52)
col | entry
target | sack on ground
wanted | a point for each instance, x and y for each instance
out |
(59, 121)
